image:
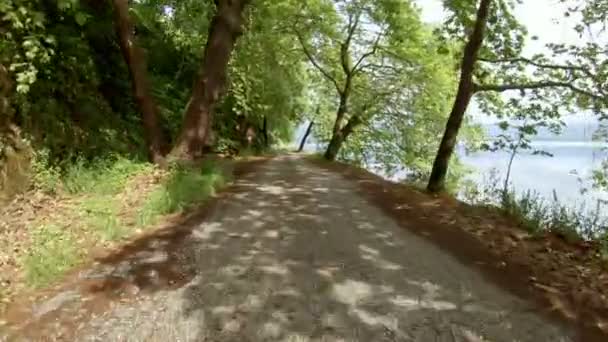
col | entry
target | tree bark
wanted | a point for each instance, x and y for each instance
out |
(343, 106)
(6, 90)
(306, 134)
(337, 140)
(134, 57)
(265, 132)
(226, 27)
(463, 97)
(334, 147)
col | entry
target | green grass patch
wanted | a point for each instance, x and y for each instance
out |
(538, 214)
(101, 216)
(98, 193)
(102, 176)
(52, 253)
(185, 187)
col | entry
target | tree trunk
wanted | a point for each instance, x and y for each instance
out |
(337, 140)
(242, 126)
(334, 147)
(265, 131)
(303, 142)
(505, 188)
(6, 93)
(463, 97)
(134, 57)
(224, 31)
(342, 107)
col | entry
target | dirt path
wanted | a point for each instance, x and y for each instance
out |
(298, 255)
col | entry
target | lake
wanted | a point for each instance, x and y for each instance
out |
(570, 161)
(572, 151)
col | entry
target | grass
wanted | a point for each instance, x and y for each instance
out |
(101, 184)
(53, 251)
(537, 214)
(101, 216)
(108, 199)
(103, 176)
(186, 186)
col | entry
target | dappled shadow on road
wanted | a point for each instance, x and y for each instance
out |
(563, 280)
(308, 260)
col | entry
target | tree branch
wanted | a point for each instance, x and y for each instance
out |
(536, 85)
(345, 46)
(539, 65)
(395, 70)
(367, 54)
(316, 64)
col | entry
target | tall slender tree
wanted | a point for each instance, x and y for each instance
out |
(357, 46)
(306, 134)
(463, 97)
(544, 90)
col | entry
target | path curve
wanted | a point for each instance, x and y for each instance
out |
(298, 255)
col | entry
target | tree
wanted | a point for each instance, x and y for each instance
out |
(463, 97)
(135, 59)
(270, 93)
(515, 138)
(306, 134)
(225, 28)
(546, 89)
(357, 47)
(592, 58)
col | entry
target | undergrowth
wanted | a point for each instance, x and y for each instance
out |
(100, 215)
(537, 214)
(185, 186)
(53, 251)
(110, 198)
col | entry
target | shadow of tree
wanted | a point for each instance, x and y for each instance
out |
(308, 261)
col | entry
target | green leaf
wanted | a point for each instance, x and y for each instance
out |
(81, 18)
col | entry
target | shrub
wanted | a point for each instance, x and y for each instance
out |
(536, 214)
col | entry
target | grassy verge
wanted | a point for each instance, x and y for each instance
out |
(183, 188)
(537, 214)
(92, 205)
(53, 251)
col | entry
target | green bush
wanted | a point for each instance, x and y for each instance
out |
(529, 209)
(537, 214)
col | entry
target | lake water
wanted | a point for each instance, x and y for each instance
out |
(560, 173)
(572, 151)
